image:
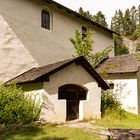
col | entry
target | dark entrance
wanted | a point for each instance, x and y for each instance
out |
(73, 94)
(72, 110)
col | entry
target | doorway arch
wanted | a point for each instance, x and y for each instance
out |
(73, 93)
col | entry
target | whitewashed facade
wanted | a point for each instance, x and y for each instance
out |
(69, 104)
(26, 45)
(125, 77)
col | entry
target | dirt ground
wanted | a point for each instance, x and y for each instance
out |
(88, 127)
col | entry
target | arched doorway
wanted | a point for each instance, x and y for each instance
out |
(73, 94)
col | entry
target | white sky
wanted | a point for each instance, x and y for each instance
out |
(108, 7)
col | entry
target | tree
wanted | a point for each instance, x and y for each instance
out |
(84, 47)
(117, 25)
(85, 13)
(133, 14)
(128, 23)
(100, 18)
(136, 33)
(117, 22)
(138, 15)
(16, 107)
(120, 48)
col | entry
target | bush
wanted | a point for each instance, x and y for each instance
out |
(110, 104)
(136, 33)
(16, 107)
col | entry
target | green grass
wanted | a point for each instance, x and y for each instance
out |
(53, 132)
(113, 120)
(48, 132)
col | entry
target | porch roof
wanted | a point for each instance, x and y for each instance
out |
(41, 74)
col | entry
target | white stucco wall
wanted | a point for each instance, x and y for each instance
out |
(14, 57)
(126, 89)
(47, 46)
(93, 102)
(138, 88)
(56, 109)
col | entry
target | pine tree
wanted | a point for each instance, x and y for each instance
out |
(81, 11)
(133, 14)
(128, 23)
(139, 15)
(85, 13)
(117, 22)
(136, 33)
(120, 48)
(100, 18)
(114, 24)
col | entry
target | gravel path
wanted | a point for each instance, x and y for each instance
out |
(88, 127)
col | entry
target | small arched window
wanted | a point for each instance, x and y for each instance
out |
(84, 31)
(45, 19)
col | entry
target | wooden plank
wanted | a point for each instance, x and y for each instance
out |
(125, 134)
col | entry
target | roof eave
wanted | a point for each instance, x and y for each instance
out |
(80, 16)
(79, 60)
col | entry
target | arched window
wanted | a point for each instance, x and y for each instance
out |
(84, 31)
(45, 19)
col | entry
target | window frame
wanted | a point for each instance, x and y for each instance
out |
(45, 19)
(84, 31)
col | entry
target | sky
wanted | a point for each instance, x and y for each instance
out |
(108, 7)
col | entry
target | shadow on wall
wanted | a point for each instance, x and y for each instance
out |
(48, 108)
(47, 104)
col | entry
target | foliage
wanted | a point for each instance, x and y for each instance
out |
(84, 47)
(109, 101)
(137, 56)
(117, 25)
(97, 58)
(117, 22)
(138, 15)
(104, 72)
(111, 105)
(133, 15)
(85, 13)
(99, 17)
(138, 46)
(126, 23)
(136, 33)
(120, 48)
(15, 107)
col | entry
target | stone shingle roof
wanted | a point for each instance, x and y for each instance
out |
(41, 74)
(124, 64)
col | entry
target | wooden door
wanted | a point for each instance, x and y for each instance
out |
(72, 110)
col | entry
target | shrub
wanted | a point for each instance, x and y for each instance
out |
(16, 107)
(110, 105)
(136, 33)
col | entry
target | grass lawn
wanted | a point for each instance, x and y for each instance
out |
(112, 121)
(48, 132)
(52, 132)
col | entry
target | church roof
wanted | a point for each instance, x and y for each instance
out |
(69, 11)
(41, 74)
